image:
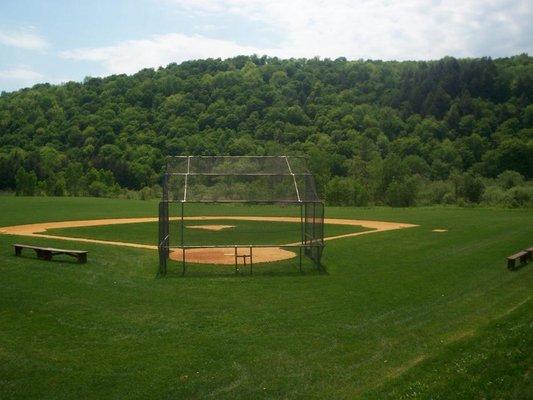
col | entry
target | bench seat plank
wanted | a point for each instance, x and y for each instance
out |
(26, 246)
(517, 255)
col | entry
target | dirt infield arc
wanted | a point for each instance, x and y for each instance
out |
(211, 256)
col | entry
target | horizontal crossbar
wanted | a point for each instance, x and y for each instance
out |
(236, 157)
(246, 201)
(237, 174)
(222, 246)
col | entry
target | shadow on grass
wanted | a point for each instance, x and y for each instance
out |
(265, 270)
(60, 260)
(519, 266)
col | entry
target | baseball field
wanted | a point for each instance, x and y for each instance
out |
(425, 308)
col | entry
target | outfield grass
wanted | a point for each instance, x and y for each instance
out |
(243, 232)
(399, 314)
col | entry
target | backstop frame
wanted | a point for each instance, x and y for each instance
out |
(311, 243)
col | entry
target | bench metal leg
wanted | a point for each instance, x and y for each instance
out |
(44, 255)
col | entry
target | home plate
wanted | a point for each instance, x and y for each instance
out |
(215, 228)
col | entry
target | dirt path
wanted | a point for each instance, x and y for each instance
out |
(39, 229)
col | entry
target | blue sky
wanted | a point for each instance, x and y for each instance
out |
(57, 41)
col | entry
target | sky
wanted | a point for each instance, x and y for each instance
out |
(62, 40)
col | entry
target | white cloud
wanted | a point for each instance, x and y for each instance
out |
(386, 29)
(23, 40)
(20, 76)
(132, 55)
(377, 29)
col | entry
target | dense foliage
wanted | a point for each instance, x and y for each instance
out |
(397, 133)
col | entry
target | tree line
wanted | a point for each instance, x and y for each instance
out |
(397, 133)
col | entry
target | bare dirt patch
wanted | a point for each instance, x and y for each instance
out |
(226, 255)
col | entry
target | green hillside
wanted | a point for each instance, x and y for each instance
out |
(398, 133)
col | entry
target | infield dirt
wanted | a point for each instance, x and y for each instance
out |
(223, 256)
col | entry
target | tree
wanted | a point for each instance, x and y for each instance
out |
(392, 170)
(517, 156)
(26, 182)
(402, 193)
(346, 192)
(469, 187)
(510, 179)
(55, 185)
(74, 179)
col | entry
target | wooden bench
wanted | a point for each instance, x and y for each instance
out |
(522, 256)
(46, 253)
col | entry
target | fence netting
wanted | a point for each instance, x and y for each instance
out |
(314, 230)
(239, 179)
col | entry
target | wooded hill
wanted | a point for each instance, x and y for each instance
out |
(398, 133)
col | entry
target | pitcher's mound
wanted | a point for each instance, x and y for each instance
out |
(226, 255)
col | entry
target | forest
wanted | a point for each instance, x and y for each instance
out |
(450, 131)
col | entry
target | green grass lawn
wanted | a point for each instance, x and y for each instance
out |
(400, 314)
(244, 232)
